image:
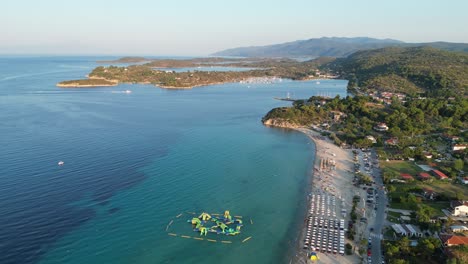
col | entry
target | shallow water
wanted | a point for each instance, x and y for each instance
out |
(135, 161)
(207, 68)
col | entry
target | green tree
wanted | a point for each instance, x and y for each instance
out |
(404, 245)
(458, 164)
(427, 246)
(392, 250)
(460, 253)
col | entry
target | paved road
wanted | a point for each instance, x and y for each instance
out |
(379, 222)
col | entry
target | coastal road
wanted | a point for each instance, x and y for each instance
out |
(379, 223)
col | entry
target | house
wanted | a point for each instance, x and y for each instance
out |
(391, 142)
(459, 147)
(459, 208)
(452, 240)
(427, 155)
(407, 230)
(429, 194)
(337, 115)
(458, 229)
(381, 127)
(439, 175)
(372, 139)
(406, 176)
(464, 180)
(424, 176)
(452, 139)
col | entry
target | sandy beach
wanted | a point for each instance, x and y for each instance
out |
(329, 201)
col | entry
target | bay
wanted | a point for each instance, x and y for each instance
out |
(133, 162)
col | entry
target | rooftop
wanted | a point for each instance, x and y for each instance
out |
(453, 240)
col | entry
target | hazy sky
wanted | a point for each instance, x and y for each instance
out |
(200, 27)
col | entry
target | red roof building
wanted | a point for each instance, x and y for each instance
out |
(406, 176)
(451, 240)
(423, 176)
(440, 175)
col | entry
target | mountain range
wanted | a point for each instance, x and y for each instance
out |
(330, 46)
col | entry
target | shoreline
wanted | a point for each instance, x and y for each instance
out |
(321, 183)
(116, 82)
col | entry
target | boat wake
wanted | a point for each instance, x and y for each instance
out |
(122, 92)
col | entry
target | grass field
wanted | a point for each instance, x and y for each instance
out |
(393, 217)
(401, 167)
(446, 188)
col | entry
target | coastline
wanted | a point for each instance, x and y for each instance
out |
(334, 183)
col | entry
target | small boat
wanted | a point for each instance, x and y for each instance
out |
(60, 163)
(317, 82)
(127, 91)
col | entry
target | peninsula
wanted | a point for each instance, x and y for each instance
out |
(158, 73)
(92, 82)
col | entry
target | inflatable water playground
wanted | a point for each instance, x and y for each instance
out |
(205, 224)
(224, 225)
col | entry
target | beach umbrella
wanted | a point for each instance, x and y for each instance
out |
(313, 256)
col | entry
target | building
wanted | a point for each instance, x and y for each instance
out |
(372, 139)
(459, 208)
(406, 176)
(423, 176)
(429, 194)
(464, 180)
(452, 240)
(391, 142)
(427, 155)
(459, 147)
(458, 229)
(407, 230)
(381, 127)
(452, 139)
(439, 175)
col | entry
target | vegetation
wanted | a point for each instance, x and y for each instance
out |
(445, 191)
(400, 251)
(407, 70)
(409, 122)
(459, 254)
(87, 83)
(336, 47)
(154, 71)
(348, 249)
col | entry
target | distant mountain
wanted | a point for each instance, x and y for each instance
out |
(405, 69)
(332, 47)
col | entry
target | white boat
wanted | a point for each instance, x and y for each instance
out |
(317, 82)
(127, 91)
(60, 163)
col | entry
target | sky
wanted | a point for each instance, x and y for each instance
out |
(202, 27)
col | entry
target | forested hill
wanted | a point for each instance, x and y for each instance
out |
(316, 47)
(332, 47)
(406, 70)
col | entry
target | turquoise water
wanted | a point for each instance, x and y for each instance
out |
(135, 161)
(206, 68)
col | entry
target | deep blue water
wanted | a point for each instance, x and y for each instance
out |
(135, 161)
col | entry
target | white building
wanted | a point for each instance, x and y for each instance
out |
(458, 147)
(459, 229)
(460, 208)
(464, 180)
(381, 127)
(372, 139)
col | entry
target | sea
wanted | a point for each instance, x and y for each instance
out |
(137, 166)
